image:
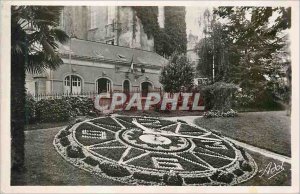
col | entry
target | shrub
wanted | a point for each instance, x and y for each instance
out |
(215, 175)
(147, 177)
(64, 141)
(53, 110)
(74, 152)
(63, 133)
(219, 96)
(91, 161)
(245, 166)
(243, 152)
(238, 172)
(80, 106)
(225, 178)
(114, 170)
(196, 180)
(172, 179)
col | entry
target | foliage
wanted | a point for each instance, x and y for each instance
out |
(225, 177)
(216, 113)
(114, 170)
(177, 74)
(63, 133)
(53, 110)
(91, 161)
(175, 28)
(64, 141)
(81, 106)
(147, 177)
(219, 96)
(74, 152)
(245, 166)
(56, 110)
(238, 172)
(34, 38)
(249, 48)
(169, 39)
(172, 179)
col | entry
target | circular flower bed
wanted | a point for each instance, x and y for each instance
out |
(152, 151)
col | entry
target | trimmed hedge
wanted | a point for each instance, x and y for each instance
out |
(58, 110)
(91, 161)
(147, 177)
(74, 152)
(64, 141)
(53, 110)
(113, 170)
(63, 133)
(173, 179)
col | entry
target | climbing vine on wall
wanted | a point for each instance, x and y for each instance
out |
(169, 39)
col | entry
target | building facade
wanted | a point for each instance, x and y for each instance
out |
(109, 51)
(117, 25)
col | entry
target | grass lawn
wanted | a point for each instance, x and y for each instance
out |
(281, 179)
(268, 130)
(46, 167)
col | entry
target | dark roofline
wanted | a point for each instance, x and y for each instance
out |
(64, 55)
(116, 45)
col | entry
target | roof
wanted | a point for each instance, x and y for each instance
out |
(106, 52)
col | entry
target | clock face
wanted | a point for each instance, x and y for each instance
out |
(147, 150)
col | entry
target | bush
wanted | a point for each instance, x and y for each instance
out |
(74, 152)
(114, 170)
(173, 179)
(245, 166)
(219, 96)
(225, 178)
(147, 177)
(238, 172)
(64, 141)
(57, 110)
(91, 161)
(215, 176)
(53, 110)
(80, 106)
(63, 133)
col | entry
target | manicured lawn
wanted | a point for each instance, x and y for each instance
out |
(281, 179)
(46, 167)
(268, 130)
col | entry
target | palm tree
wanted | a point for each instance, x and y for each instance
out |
(34, 43)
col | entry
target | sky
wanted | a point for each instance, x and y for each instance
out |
(193, 14)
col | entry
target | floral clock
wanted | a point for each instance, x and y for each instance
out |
(152, 151)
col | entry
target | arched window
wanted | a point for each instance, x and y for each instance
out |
(146, 88)
(103, 85)
(72, 84)
(126, 86)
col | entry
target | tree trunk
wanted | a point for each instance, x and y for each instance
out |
(17, 112)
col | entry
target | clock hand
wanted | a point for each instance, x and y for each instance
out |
(179, 135)
(141, 126)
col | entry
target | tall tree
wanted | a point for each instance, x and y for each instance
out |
(178, 73)
(34, 38)
(251, 38)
